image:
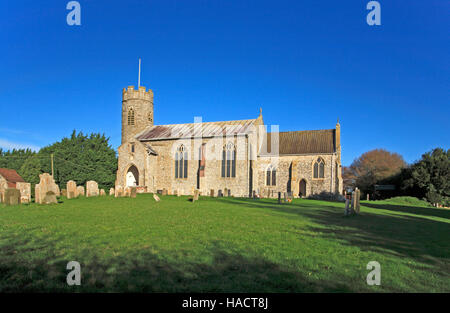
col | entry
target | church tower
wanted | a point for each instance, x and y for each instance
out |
(137, 111)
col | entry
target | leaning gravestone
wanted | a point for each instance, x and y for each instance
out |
(80, 191)
(71, 189)
(157, 199)
(92, 189)
(111, 191)
(46, 184)
(12, 196)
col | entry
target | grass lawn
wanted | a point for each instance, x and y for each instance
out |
(223, 245)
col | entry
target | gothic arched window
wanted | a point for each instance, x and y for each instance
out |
(229, 160)
(181, 162)
(319, 168)
(131, 117)
(271, 176)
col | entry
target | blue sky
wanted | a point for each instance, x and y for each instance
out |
(306, 63)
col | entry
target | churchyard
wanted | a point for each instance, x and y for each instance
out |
(167, 243)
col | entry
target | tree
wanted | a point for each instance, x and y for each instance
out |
(82, 158)
(30, 171)
(430, 176)
(372, 167)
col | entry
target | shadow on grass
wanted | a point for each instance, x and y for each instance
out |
(410, 209)
(422, 239)
(143, 271)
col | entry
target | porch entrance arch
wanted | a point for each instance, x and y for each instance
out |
(132, 176)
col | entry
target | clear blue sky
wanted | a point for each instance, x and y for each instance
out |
(306, 63)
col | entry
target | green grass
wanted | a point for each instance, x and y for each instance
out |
(223, 245)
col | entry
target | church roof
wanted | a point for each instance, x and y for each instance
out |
(207, 129)
(11, 177)
(303, 142)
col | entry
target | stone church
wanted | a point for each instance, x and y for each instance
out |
(233, 158)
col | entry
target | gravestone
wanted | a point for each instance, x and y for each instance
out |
(279, 197)
(71, 189)
(102, 192)
(133, 192)
(127, 192)
(112, 192)
(25, 192)
(118, 192)
(50, 198)
(92, 189)
(46, 184)
(211, 193)
(11, 196)
(348, 209)
(178, 193)
(164, 192)
(64, 193)
(196, 193)
(157, 199)
(80, 191)
(225, 192)
(357, 200)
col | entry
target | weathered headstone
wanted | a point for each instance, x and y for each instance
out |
(46, 184)
(71, 189)
(25, 192)
(156, 198)
(196, 193)
(64, 193)
(164, 192)
(279, 197)
(348, 209)
(368, 197)
(357, 200)
(50, 198)
(127, 192)
(92, 189)
(133, 192)
(102, 192)
(111, 191)
(80, 191)
(12, 196)
(211, 193)
(118, 192)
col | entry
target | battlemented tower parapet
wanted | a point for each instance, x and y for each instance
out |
(137, 111)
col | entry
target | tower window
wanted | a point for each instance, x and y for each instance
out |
(271, 176)
(229, 160)
(181, 162)
(319, 168)
(131, 117)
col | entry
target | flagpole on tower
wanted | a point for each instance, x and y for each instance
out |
(139, 77)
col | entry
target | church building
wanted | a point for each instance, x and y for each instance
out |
(238, 158)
